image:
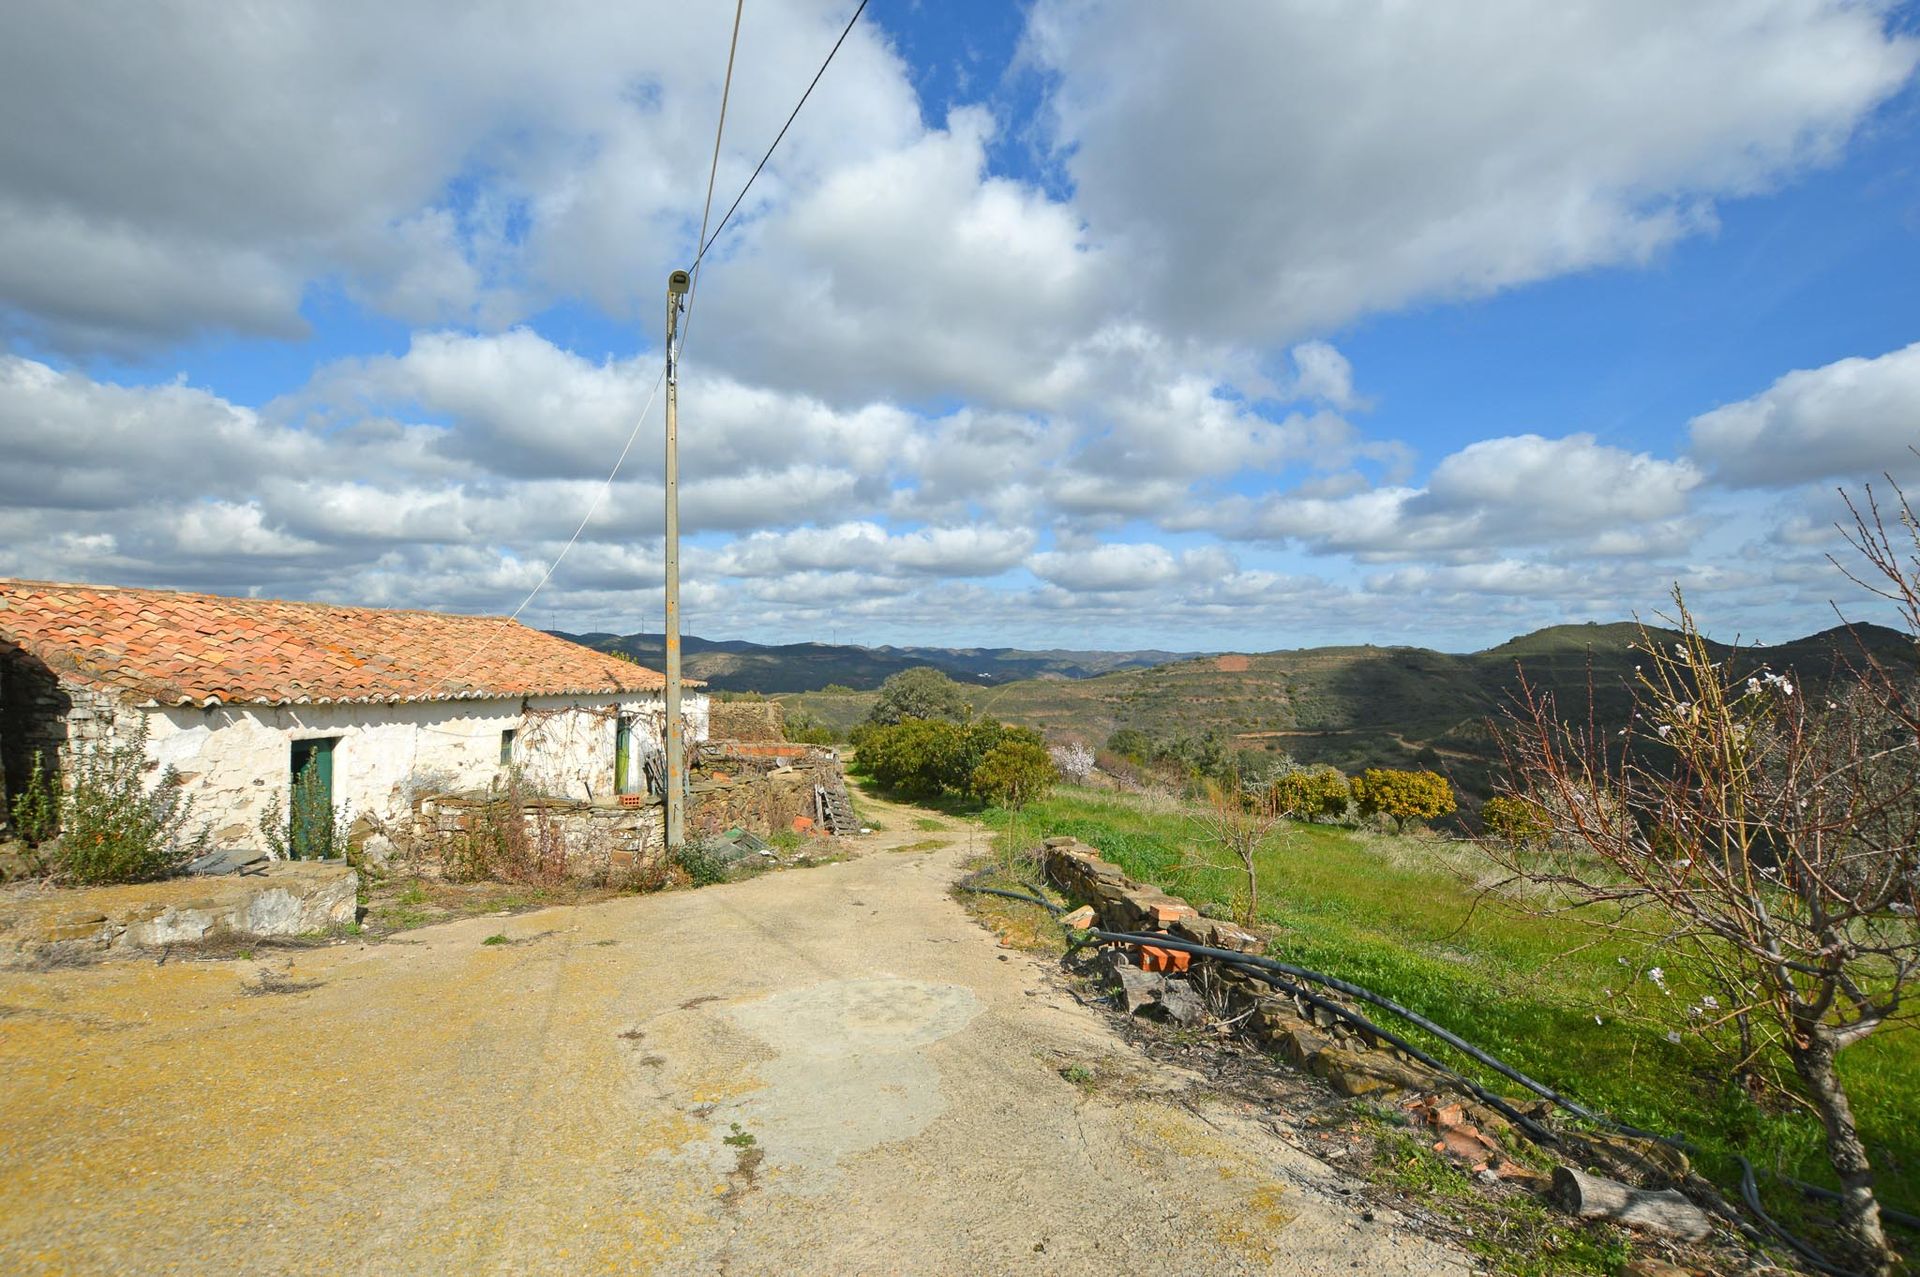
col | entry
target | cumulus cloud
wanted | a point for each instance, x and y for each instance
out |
(1518, 490)
(923, 391)
(443, 163)
(1280, 169)
(1852, 419)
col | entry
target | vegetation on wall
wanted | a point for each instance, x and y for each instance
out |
(309, 827)
(114, 826)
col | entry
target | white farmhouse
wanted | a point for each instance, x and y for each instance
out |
(240, 695)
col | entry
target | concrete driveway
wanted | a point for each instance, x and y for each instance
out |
(827, 1071)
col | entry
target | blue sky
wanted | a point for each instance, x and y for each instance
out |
(1062, 324)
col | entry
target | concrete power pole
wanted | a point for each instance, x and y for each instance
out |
(676, 788)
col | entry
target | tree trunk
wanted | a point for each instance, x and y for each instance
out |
(1862, 1235)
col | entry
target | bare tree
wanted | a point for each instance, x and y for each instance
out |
(1772, 844)
(1240, 824)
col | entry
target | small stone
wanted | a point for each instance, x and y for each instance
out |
(1180, 1004)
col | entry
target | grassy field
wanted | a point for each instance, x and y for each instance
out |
(1550, 996)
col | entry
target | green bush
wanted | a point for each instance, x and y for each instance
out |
(700, 859)
(1311, 793)
(1517, 821)
(1402, 795)
(312, 828)
(935, 758)
(1013, 773)
(113, 827)
(36, 808)
(803, 728)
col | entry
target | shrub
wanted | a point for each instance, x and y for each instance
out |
(113, 828)
(1402, 795)
(1073, 761)
(312, 828)
(1516, 821)
(1131, 743)
(507, 837)
(700, 860)
(1013, 773)
(1311, 793)
(803, 728)
(933, 758)
(36, 808)
(918, 756)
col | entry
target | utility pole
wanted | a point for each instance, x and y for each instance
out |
(676, 788)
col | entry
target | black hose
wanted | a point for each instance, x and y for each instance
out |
(1266, 968)
(1365, 995)
(1539, 1134)
(972, 884)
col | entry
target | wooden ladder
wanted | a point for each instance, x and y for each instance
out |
(834, 810)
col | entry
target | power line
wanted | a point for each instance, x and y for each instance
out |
(606, 485)
(706, 243)
(713, 171)
(726, 89)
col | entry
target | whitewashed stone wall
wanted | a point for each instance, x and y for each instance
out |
(237, 759)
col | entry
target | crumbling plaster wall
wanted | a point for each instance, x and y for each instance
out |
(237, 759)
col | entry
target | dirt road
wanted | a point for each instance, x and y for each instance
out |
(829, 1071)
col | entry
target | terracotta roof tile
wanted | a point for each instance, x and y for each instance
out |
(194, 648)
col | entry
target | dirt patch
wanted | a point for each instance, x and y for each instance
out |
(269, 984)
(1232, 664)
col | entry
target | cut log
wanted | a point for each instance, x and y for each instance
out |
(1663, 1211)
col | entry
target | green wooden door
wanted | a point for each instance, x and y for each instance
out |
(310, 811)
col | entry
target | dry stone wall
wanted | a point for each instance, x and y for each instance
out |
(1312, 1038)
(746, 720)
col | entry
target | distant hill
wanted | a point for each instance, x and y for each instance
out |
(735, 665)
(1358, 707)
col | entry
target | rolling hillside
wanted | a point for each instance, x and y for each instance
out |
(1355, 707)
(734, 665)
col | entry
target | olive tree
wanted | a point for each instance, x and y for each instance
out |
(921, 692)
(1767, 841)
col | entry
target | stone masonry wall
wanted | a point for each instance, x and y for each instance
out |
(1309, 1037)
(746, 720)
(41, 713)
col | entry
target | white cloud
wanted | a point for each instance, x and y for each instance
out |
(190, 168)
(1113, 566)
(1322, 372)
(1280, 169)
(1518, 490)
(868, 547)
(1853, 419)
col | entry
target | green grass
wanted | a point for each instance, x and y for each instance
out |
(1397, 915)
